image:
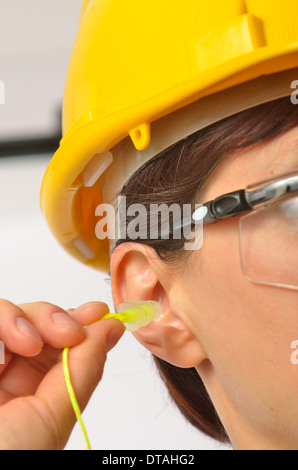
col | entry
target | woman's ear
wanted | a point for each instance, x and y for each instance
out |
(137, 273)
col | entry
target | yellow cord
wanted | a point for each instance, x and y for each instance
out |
(122, 317)
(72, 396)
(137, 314)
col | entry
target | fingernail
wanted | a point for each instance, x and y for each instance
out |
(65, 321)
(113, 336)
(25, 327)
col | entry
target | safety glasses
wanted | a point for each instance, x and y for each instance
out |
(268, 228)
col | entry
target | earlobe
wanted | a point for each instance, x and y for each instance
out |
(138, 274)
(169, 338)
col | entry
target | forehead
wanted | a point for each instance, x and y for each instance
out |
(240, 169)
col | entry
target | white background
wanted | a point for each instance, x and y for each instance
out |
(36, 38)
(131, 408)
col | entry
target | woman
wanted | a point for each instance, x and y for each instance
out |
(235, 335)
(223, 341)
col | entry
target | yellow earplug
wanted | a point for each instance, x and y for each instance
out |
(134, 315)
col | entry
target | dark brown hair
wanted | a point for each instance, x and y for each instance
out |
(179, 175)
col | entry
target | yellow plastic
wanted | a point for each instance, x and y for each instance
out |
(72, 396)
(134, 62)
(136, 315)
(133, 315)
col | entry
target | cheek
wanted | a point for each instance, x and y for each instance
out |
(246, 329)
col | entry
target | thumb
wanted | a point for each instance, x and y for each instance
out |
(86, 365)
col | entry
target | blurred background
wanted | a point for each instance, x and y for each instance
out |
(131, 408)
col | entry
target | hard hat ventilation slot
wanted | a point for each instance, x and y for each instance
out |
(96, 167)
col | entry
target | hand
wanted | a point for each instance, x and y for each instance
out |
(35, 410)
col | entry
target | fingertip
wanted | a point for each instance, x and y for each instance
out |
(66, 322)
(89, 313)
(114, 335)
(26, 328)
(60, 330)
(30, 341)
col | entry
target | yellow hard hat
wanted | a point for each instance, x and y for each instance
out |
(143, 75)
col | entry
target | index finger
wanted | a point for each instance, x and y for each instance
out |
(86, 364)
(89, 312)
(56, 327)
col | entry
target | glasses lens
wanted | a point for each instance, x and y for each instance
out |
(269, 244)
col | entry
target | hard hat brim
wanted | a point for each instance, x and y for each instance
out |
(62, 198)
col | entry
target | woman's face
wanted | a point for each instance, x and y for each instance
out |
(246, 329)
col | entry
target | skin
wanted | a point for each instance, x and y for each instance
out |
(237, 334)
(35, 410)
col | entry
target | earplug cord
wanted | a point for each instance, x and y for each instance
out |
(134, 316)
(123, 317)
(72, 396)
